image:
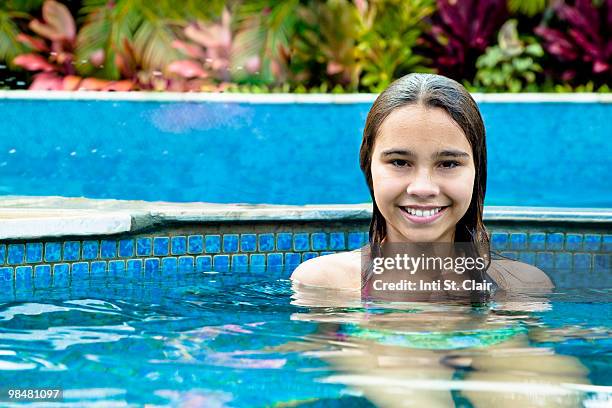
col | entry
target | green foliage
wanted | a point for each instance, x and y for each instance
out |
(510, 66)
(131, 35)
(528, 7)
(391, 29)
(300, 46)
(11, 11)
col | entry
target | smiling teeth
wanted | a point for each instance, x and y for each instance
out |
(422, 213)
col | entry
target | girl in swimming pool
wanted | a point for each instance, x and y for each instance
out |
(424, 158)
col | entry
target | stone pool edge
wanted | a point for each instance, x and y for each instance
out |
(26, 217)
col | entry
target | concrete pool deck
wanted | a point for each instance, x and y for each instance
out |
(23, 217)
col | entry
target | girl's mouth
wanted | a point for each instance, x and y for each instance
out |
(423, 216)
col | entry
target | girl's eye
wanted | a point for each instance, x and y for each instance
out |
(449, 164)
(399, 163)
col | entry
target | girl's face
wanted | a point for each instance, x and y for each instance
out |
(423, 174)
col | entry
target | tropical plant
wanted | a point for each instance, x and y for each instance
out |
(323, 49)
(52, 53)
(211, 50)
(11, 11)
(267, 28)
(584, 50)
(391, 29)
(460, 32)
(511, 65)
(527, 7)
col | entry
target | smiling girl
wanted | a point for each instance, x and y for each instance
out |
(424, 158)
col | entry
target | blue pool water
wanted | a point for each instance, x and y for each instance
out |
(234, 340)
(540, 154)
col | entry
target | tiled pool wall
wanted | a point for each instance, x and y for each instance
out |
(251, 143)
(574, 255)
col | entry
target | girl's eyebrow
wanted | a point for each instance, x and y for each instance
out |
(437, 155)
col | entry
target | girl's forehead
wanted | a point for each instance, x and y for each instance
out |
(420, 128)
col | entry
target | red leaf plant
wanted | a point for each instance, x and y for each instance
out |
(52, 54)
(460, 32)
(211, 52)
(583, 48)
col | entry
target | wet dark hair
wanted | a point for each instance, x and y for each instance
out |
(435, 91)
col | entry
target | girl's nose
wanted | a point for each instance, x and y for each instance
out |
(422, 185)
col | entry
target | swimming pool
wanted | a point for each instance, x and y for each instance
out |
(544, 150)
(127, 303)
(133, 303)
(229, 340)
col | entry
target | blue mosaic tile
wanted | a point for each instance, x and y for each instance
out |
(555, 241)
(300, 242)
(518, 241)
(582, 262)
(186, 264)
(126, 248)
(2, 254)
(72, 250)
(152, 268)
(318, 241)
(336, 241)
(563, 261)
(537, 241)
(116, 269)
(134, 267)
(510, 254)
(61, 276)
(327, 252)
(240, 262)
(16, 254)
(178, 245)
(169, 266)
(284, 241)
(258, 260)
(213, 244)
(527, 257)
(98, 269)
(309, 255)
(195, 244)
(545, 260)
(354, 240)
(108, 248)
(291, 258)
(203, 263)
(161, 246)
(266, 242)
(6, 274)
(230, 243)
(90, 249)
(34, 252)
(573, 242)
(221, 262)
(499, 241)
(23, 277)
(606, 245)
(248, 242)
(144, 247)
(592, 242)
(602, 263)
(80, 271)
(53, 252)
(275, 260)
(42, 276)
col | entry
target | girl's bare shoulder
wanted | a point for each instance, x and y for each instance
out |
(509, 274)
(338, 271)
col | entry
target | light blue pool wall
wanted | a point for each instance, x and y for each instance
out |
(574, 256)
(540, 154)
